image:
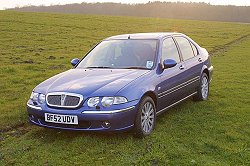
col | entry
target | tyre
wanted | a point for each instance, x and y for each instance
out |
(203, 89)
(145, 117)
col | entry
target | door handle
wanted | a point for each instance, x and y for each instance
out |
(200, 59)
(181, 67)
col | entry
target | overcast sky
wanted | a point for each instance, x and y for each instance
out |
(15, 3)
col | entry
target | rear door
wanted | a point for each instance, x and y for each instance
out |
(192, 62)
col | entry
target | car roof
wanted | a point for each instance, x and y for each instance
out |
(155, 35)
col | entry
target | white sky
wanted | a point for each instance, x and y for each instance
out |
(15, 3)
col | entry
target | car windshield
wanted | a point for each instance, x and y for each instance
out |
(125, 54)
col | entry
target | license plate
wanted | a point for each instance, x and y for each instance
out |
(64, 119)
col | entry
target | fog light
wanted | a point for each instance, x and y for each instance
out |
(31, 117)
(106, 124)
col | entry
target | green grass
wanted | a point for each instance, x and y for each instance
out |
(36, 46)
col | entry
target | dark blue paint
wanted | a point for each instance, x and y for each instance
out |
(168, 63)
(75, 61)
(167, 85)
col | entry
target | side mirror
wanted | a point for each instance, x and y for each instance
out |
(74, 61)
(168, 63)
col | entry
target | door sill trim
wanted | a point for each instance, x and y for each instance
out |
(164, 109)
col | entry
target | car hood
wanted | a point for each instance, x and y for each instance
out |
(90, 82)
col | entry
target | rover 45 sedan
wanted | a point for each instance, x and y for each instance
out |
(123, 83)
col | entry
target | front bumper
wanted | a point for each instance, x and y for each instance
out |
(210, 70)
(88, 120)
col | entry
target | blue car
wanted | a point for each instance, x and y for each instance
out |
(123, 83)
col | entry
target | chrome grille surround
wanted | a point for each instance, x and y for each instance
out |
(64, 99)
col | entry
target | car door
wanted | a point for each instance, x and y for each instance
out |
(171, 78)
(192, 64)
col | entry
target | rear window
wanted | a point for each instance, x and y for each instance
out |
(185, 47)
(195, 50)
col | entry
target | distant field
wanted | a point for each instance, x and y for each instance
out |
(36, 46)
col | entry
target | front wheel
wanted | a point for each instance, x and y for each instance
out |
(145, 118)
(203, 89)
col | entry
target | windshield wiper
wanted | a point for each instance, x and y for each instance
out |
(136, 67)
(102, 67)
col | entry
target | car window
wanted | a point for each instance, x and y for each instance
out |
(121, 54)
(169, 50)
(194, 49)
(185, 47)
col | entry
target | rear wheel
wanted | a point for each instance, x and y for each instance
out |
(203, 89)
(145, 118)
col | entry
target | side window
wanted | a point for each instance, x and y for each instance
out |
(169, 50)
(194, 49)
(186, 49)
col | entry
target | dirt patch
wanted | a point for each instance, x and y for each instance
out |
(41, 49)
(51, 57)
(9, 128)
(30, 61)
(20, 46)
(61, 66)
(14, 131)
(223, 48)
(37, 54)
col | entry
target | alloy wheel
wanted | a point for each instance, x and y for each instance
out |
(204, 87)
(147, 117)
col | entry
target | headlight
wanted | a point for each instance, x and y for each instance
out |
(93, 101)
(34, 96)
(108, 101)
(41, 98)
(120, 100)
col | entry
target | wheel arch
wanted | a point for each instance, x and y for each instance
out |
(152, 95)
(205, 70)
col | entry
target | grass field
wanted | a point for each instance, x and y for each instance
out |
(36, 46)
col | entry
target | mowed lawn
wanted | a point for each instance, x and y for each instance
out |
(36, 46)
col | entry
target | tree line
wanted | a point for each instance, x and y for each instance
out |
(175, 10)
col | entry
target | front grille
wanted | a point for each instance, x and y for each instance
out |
(64, 100)
(54, 99)
(71, 100)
